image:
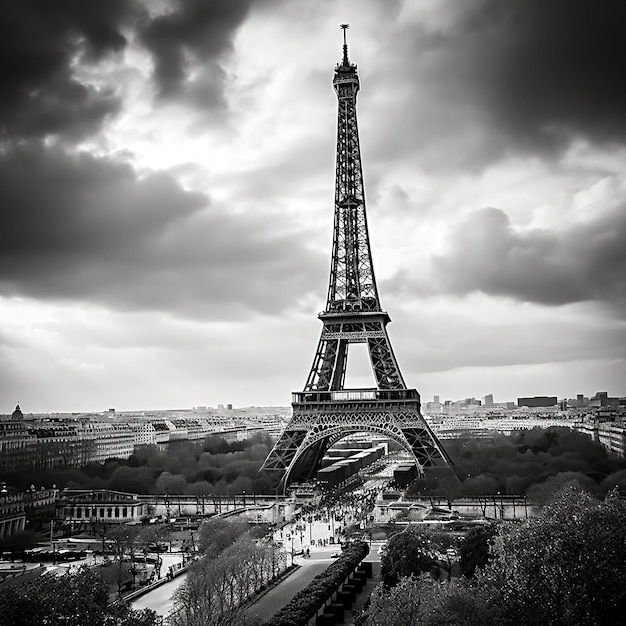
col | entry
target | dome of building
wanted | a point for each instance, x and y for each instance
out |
(17, 414)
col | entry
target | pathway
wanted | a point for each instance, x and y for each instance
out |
(279, 596)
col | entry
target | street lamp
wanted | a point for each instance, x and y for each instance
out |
(244, 498)
(300, 528)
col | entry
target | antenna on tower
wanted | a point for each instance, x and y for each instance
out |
(345, 27)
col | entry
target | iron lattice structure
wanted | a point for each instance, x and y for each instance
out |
(325, 411)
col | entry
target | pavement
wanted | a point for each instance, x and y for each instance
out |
(277, 597)
(320, 559)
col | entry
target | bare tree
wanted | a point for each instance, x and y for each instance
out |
(217, 589)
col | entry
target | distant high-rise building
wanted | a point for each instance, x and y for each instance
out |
(600, 399)
(469, 402)
(579, 402)
(436, 399)
(488, 399)
(229, 407)
(537, 401)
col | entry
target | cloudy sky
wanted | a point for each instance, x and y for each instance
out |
(166, 196)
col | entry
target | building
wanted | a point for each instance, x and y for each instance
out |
(106, 440)
(45, 441)
(12, 512)
(40, 506)
(145, 434)
(16, 442)
(610, 433)
(56, 445)
(86, 506)
(485, 426)
(435, 406)
(537, 401)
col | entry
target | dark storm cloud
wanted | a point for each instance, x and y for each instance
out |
(193, 37)
(498, 77)
(557, 69)
(580, 262)
(81, 228)
(546, 71)
(44, 45)
(39, 42)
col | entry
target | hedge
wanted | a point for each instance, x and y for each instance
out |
(305, 604)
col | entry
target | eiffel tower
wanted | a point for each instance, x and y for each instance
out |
(326, 411)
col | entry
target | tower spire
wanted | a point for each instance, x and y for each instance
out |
(345, 27)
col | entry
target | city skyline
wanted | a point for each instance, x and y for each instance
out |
(166, 194)
(227, 408)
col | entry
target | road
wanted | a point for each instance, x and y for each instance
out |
(160, 598)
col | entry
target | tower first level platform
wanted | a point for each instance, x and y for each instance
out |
(321, 418)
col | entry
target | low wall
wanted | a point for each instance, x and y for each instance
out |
(256, 508)
(443, 509)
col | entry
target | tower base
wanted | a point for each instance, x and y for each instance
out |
(321, 418)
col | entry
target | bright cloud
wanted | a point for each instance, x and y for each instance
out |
(166, 193)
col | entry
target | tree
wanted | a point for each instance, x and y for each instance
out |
(145, 452)
(480, 485)
(74, 599)
(421, 601)
(616, 480)
(399, 605)
(515, 484)
(201, 490)
(216, 589)
(216, 444)
(153, 534)
(125, 540)
(475, 548)
(241, 484)
(170, 484)
(563, 568)
(407, 553)
(101, 529)
(215, 535)
(131, 479)
(566, 567)
(550, 490)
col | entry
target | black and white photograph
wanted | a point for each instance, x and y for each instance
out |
(312, 312)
